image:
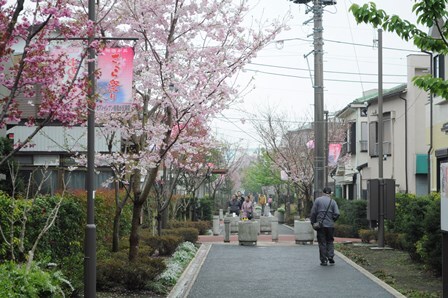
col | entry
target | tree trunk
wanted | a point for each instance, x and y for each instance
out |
(165, 217)
(116, 230)
(135, 226)
(116, 227)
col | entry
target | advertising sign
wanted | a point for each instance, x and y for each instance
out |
(115, 81)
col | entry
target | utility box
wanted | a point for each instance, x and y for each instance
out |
(374, 188)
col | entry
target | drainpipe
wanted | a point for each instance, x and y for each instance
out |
(430, 123)
(405, 142)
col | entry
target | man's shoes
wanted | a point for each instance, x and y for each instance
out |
(323, 263)
(331, 261)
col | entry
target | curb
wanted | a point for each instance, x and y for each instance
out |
(188, 277)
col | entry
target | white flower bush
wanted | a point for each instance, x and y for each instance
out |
(178, 262)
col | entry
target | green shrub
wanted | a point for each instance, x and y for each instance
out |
(15, 281)
(281, 209)
(205, 208)
(65, 236)
(395, 240)
(409, 219)
(367, 235)
(429, 247)
(166, 244)
(187, 234)
(105, 212)
(345, 231)
(201, 226)
(117, 271)
(353, 213)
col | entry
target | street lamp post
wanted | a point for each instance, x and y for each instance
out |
(90, 232)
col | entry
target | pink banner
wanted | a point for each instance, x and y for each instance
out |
(334, 150)
(115, 82)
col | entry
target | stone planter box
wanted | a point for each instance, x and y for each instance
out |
(303, 231)
(248, 232)
(233, 223)
(265, 224)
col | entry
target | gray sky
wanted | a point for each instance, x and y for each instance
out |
(282, 76)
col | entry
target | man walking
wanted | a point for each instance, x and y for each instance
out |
(325, 210)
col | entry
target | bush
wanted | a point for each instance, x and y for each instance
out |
(201, 226)
(65, 236)
(187, 234)
(117, 271)
(345, 231)
(166, 245)
(429, 247)
(105, 213)
(367, 235)
(180, 259)
(15, 281)
(281, 209)
(409, 220)
(395, 240)
(353, 213)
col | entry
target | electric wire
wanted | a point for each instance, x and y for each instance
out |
(328, 80)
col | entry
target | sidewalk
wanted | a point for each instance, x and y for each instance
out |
(273, 269)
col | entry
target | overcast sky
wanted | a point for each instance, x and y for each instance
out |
(283, 76)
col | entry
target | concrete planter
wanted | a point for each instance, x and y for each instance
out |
(281, 217)
(248, 232)
(303, 231)
(265, 224)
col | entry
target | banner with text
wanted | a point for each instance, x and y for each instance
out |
(115, 81)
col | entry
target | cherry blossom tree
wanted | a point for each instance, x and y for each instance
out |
(289, 144)
(185, 58)
(35, 74)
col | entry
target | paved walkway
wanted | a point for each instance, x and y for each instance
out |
(274, 269)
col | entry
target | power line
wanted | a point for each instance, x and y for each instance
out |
(263, 120)
(330, 80)
(347, 43)
(327, 71)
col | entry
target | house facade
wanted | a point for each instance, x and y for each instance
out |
(405, 146)
(437, 121)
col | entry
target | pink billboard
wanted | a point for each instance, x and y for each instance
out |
(115, 81)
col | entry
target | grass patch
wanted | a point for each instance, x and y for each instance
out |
(396, 269)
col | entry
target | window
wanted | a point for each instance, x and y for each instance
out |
(439, 66)
(363, 141)
(351, 138)
(387, 136)
(373, 138)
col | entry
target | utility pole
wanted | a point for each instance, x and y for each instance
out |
(319, 125)
(319, 150)
(380, 141)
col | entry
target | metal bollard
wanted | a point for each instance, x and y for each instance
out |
(226, 229)
(274, 228)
